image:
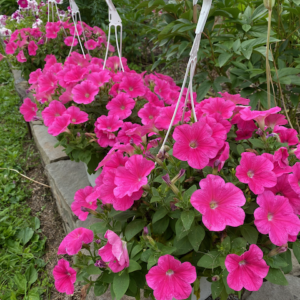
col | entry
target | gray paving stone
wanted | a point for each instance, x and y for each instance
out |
(45, 143)
(66, 178)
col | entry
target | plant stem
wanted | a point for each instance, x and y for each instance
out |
(267, 58)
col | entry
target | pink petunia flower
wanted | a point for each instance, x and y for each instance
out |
(148, 114)
(77, 116)
(258, 116)
(114, 252)
(52, 29)
(32, 48)
(294, 178)
(71, 41)
(55, 109)
(34, 76)
(60, 125)
(23, 3)
(121, 106)
(133, 176)
(108, 123)
(219, 203)
(11, 48)
(28, 109)
(171, 279)
(99, 78)
(162, 88)
(76, 30)
(64, 276)
(105, 139)
(287, 135)
(125, 135)
(73, 242)
(21, 57)
(277, 169)
(283, 188)
(113, 63)
(90, 44)
(163, 121)
(281, 156)
(236, 99)
(257, 172)
(247, 270)
(85, 92)
(221, 157)
(275, 119)
(47, 82)
(195, 144)
(81, 201)
(76, 74)
(276, 217)
(220, 106)
(133, 85)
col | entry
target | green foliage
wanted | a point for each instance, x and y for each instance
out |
(7, 7)
(21, 244)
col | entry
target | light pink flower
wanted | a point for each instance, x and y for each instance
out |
(258, 116)
(287, 135)
(64, 277)
(275, 119)
(11, 48)
(220, 106)
(294, 178)
(121, 106)
(219, 203)
(75, 74)
(81, 201)
(283, 188)
(55, 109)
(72, 243)
(276, 217)
(32, 48)
(99, 78)
(90, 44)
(21, 57)
(69, 41)
(77, 116)
(115, 252)
(171, 279)
(28, 109)
(257, 172)
(59, 125)
(85, 92)
(195, 144)
(133, 85)
(236, 99)
(247, 270)
(133, 176)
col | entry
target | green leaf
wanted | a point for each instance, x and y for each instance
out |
(120, 284)
(182, 246)
(100, 288)
(209, 260)
(256, 143)
(247, 52)
(217, 288)
(152, 260)
(187, 218)
(136, 249)
(99, 227)
(133, 266)
(287, 256)
(189, 192)
(228, 289)
(134, 228)
(223, 58)
(276, 262)
(196, 236)
(91, 270)
(159, 214)
(249, 233)
(226, 244)
(276, 276)
(296, 250)
(31, 274)
(34, 294)
(246, 27)
(161, 226)
(37, 223)
(238, 245)
(181, 232)
(20, 281)
(203, 89)
(25, 235)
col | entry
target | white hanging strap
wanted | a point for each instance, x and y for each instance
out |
(114, 20)
(50, 2)
(75, 12)
(191, 66)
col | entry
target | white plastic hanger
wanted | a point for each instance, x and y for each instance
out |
(75, 12)
(114, 20)
(50, 3)
(191, 66)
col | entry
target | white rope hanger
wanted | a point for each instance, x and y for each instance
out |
(114, 20)
(191, 66)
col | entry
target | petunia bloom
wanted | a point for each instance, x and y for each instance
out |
(70, 40)
(219, 203)
(171, 279)
(90, 44)
(77, 116)
(64, 277)
(85, 92)
(133, 85)
(246, 271)
(28, 109)
(32, 48)
(287, 135)
(275, 119)
(133, 176)
(72, 243)
(257, 172)
(114, 252)
(294, 178)
(54, 110)
(121, 106)
(99, 78)
(236, 99)
(276, 217)
(60, 125)
(195, 144)
(21, 57)
(220, 106)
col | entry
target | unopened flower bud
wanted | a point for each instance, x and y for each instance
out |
(145, 231)
(178, 176)
(259, 132)
(100, 264)
(151, 241)
(269, 4)
(278, 250)
(98, 241)
(78, 134)
(215, 278)
(166, 179)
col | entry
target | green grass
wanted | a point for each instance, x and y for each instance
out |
(22, 269)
